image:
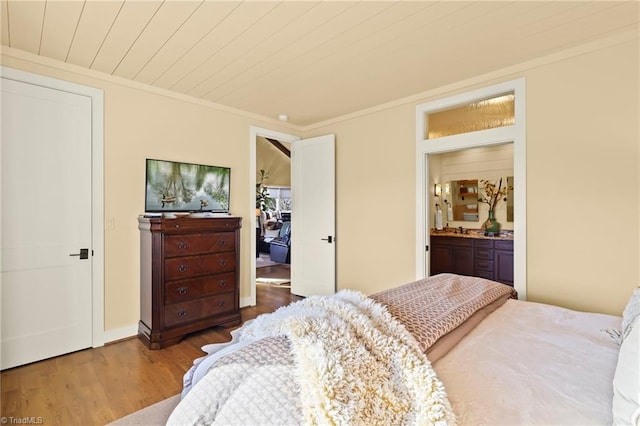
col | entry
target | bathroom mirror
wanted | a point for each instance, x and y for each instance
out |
(464, 200)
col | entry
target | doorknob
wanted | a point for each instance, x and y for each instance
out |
(328, 239)
(84, 254)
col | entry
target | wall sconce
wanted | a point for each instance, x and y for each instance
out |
(437, 190)
(446, 188)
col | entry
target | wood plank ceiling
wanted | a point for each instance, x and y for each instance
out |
(312, 60)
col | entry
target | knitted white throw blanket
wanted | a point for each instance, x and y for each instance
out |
(356, 364)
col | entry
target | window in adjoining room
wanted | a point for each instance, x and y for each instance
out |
(282, 197)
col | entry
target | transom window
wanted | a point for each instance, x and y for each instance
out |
(497, 111)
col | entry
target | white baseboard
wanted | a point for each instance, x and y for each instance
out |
(132, 330)
(119, 333)
(246, 301)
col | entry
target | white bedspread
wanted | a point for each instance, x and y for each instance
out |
(353, 364)
(533, 364)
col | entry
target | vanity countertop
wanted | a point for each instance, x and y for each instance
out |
(471, 233)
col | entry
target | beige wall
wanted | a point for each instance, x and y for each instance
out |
(582, 159)
(272, 160)
(140, 124)
(582, 133)
(375, 199)
(583, 164)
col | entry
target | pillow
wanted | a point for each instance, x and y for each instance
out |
(626, 381)
(271, 234)
(631, 313)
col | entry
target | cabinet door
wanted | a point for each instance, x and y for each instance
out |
(463, 261)
(504, 266)
(450, 254)
(441, 259)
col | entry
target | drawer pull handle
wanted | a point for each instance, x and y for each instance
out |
(182, 290)
(182, 312)
(221, 262)
(222, 283)
(221, 243)
(221, 303)
(182, 268)
(182, 245)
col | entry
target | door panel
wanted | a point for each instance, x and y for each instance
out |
(313, 248)
(46, 218)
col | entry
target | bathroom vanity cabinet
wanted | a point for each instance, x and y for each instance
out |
(485, 257)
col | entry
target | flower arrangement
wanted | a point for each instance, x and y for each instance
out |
(493, 193)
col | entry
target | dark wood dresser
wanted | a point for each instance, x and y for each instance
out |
(189, 277)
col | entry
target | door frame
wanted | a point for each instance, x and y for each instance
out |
(515, 134)
(98, 335)
(254, 132)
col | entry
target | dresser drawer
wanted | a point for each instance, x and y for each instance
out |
(180, 313)
(183, 290)
(189, 244)
(189, 225)
(195, 266)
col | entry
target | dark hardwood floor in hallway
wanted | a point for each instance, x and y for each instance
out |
(278, 270)
(97, 386)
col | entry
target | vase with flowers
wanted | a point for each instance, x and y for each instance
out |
(493, 193)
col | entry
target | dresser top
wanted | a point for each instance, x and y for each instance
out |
(186, 223)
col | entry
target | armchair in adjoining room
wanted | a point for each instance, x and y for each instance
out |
(270, 230)
(281, 246)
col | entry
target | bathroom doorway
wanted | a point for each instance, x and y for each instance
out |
(472, 137)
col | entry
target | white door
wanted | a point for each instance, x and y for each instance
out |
(313, 223)
(46, 221)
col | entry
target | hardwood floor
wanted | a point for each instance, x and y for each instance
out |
(97, 386)
(279, 270)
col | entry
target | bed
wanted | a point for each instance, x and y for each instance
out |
(445, 350)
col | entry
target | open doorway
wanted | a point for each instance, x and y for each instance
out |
(273, 213)
(472, 137)
(262, 266)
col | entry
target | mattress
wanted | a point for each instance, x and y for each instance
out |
(500, 360)
(533, 364)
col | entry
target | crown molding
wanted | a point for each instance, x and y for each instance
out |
(77, 70)
(510, 72)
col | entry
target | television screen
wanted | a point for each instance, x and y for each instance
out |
(185, 187)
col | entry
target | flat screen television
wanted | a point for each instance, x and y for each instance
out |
(185, 187)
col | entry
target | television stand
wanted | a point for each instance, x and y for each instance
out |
(189, 276)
